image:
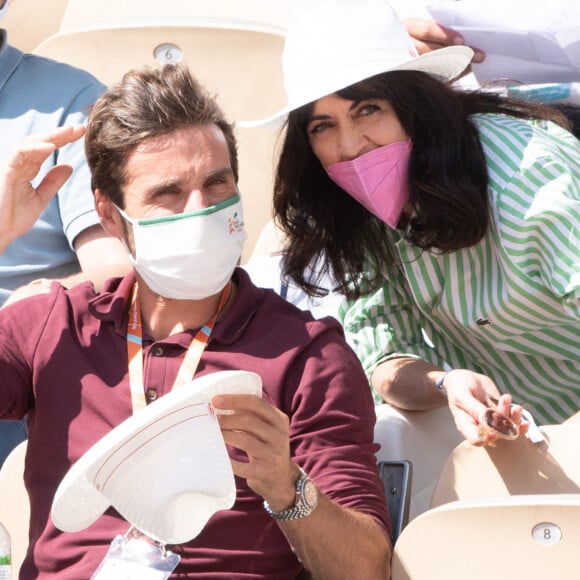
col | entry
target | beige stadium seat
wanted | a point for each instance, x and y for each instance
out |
(520, 537)
(425, 438)
(29, 22)
(14, 504)
(270, 240)
(513, 467)
(233, 47)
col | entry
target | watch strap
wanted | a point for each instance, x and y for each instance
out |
(300, 509)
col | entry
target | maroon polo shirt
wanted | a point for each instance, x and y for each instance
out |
(63, 363)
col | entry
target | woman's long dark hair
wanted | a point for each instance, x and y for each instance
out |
(447, 182)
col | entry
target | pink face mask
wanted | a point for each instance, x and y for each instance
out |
(378, 180)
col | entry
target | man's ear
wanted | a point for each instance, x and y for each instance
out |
(109, 215)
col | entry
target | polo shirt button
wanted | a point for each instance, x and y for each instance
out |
(158, 351)
(151, 394)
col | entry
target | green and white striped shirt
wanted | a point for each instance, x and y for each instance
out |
(508, 307)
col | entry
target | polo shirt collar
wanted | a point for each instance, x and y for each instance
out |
(111, 305)
(10, 58)
(242, 311)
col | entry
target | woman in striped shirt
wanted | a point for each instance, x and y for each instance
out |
(451, 223)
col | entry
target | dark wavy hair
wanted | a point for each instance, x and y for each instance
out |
(448, 183)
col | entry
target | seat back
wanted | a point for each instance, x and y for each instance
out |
(532, 536)
(513, 467)
(425, 438)
(233, 48)
(29, 22)
(270, 240)
(14, 504)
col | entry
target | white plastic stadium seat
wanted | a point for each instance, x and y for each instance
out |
(425, 438)
(518, 537)
(29, 22)
(513, 467)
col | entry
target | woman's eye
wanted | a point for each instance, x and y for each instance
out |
(368, 109)
(318, 127)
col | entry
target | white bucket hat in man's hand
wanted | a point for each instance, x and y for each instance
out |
(332, 44)
(165, 469)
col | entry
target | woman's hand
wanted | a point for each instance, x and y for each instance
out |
(469, 395)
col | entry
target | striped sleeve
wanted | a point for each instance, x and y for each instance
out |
(386, 324)
(538, 209)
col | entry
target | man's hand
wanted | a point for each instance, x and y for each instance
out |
(333, 541)
(20, 203)
(257, 428)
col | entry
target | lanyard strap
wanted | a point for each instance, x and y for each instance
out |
(135, 348)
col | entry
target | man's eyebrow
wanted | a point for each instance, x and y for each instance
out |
(219, 173)
(169, 184)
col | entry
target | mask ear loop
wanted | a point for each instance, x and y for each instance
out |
(125, 216)
(133, 223)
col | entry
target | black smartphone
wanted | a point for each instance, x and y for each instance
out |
(397, 476)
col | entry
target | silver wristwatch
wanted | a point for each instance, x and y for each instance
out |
(306, 500)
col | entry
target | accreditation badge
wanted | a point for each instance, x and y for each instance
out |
(135, 555)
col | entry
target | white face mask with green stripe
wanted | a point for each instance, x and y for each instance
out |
(189, 256)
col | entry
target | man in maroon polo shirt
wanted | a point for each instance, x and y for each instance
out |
(164, 173)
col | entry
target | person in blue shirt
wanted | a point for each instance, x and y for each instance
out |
(66, 242)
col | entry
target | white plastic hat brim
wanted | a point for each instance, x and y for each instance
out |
(165, 469)
(332, 44)
(444, 64)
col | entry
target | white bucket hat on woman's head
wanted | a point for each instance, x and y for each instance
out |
(332, 44)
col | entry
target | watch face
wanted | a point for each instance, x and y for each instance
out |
(310, 494)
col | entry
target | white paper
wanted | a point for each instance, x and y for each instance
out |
(521, 43)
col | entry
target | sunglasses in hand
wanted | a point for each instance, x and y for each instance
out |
(495, 425)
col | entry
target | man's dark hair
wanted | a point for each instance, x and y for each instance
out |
(147, 103)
